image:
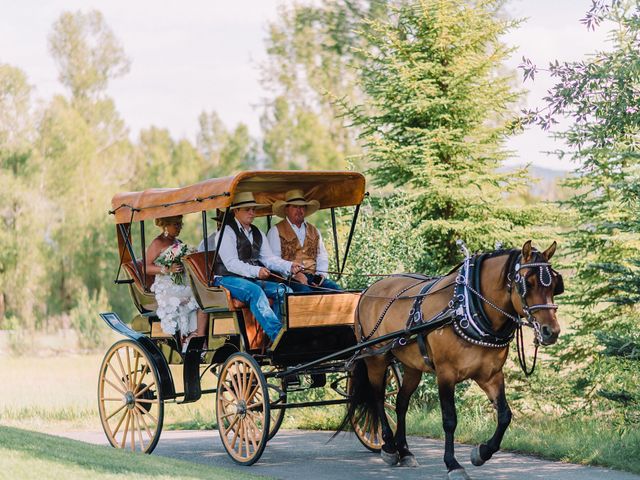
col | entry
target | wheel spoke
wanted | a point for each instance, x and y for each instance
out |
(135, 369)
(234, 386)
(118, 377)
(144, 422)
(124, 375)
(240, 380)
(126, 430)
(139, 428)
(145, 369)
(133, 433)
(146, 400)
(253, 393)
(254, 431)
(111, 399)
(124, 415)
(250, 377)
(115, 412)
(145, 389)
(114, 386)
(235, 432)
(245, 440)
(128, 355)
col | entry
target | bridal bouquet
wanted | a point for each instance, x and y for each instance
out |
(173, 255)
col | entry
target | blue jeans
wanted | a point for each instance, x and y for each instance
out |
(255, 293)
(327, 284)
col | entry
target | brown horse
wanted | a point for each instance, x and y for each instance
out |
(475, 311)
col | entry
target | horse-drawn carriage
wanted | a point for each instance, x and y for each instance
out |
(136, 378)
(415, 320)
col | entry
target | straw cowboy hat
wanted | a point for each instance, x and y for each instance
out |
(244, 200)
(295, 197)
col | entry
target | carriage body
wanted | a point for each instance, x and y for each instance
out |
(136, 378)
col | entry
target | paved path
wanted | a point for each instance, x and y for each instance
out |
(296, 454)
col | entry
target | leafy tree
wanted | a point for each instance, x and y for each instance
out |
(23, 209)
(225, 152)
(313, 55)
(83, 156)
(440, 108)
(601, 97)
(87, 52)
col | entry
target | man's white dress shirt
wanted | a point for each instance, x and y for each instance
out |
(322, 258)
(229, 254)
(211, 242)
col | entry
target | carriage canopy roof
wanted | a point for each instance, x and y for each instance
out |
(331, 189)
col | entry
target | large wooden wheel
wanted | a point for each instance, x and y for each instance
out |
(130, 408)
(369, 436)
(243, 409)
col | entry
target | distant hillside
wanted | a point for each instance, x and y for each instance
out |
(546, 184)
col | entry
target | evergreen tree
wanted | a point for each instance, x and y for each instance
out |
(601, 96)
(442, 107)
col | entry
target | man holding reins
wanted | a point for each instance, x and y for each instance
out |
(244, 265)
(296, 240)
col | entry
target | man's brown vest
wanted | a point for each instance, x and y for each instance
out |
(290, 245)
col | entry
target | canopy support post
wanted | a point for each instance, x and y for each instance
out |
(206, 242)
(144, 254)
(353, 227)
(215, 254)
(127, 242)
(335, 236)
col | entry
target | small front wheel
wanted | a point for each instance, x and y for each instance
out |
(129, 403)
(243, 409)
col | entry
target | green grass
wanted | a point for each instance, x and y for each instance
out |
(575, 439)
(29, 455)
(59, 393)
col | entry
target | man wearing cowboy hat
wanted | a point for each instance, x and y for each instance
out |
(296, 240)
(244, 263)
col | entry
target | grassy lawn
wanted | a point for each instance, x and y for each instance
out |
(55, 393)
(35, 456)
(60, 392)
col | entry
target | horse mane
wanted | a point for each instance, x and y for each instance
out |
(509, 264)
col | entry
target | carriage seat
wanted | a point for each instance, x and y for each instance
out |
(195, 265)
(133, 274)
(213, 296)
(143, 298)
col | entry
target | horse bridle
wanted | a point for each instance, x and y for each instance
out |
(546, 274)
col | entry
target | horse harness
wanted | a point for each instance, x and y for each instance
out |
(465, 311)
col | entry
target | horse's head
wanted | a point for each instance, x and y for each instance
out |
(536, 283)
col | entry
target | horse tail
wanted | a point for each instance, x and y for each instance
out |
(361, 400)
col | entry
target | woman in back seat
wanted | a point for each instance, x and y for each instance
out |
(177, 307)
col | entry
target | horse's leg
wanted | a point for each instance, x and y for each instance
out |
(494, 388)
(446, 392)
(376, 369)
(410, 381)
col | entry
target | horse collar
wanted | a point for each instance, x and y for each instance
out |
(470, 321)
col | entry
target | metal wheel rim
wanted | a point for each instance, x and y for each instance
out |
(130, 409)
(242, 411)
(372, 438)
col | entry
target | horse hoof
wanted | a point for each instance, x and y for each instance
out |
(409, 461)
(389, 458)
(476, 459)
(458, 474)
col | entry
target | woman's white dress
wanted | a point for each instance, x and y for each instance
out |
(177, 307)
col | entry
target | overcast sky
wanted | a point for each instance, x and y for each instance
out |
(200, 55)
